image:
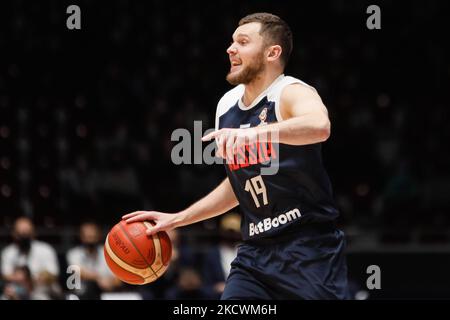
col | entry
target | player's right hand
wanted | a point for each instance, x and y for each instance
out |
(229, 140)
(160, 221)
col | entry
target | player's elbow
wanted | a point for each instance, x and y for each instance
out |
(323, 130)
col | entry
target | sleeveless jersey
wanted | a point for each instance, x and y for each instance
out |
(280, 187)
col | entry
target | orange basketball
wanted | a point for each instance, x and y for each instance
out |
(133, 256)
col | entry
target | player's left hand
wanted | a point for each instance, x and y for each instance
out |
(230, 140)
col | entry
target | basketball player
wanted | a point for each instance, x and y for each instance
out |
(291, 248)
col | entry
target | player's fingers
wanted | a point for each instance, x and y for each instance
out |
(239, 143)
(235, 149)
(252, 137)
(229, 148)
(220, 143)
(153, 229)
(132, 214)
(211, 135)
(218, 147)
(142, 217)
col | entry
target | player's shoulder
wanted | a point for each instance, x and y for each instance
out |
(285, 83)
(292, 82)
(230, 98)
(293, 87)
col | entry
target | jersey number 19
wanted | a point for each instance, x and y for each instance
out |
(257, 187)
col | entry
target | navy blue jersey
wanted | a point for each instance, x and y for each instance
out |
(279, 187)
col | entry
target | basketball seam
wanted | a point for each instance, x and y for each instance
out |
(161, 249)
(140, 253)
(162, 259)
(143, 278)
(158, 235)
(125, 262)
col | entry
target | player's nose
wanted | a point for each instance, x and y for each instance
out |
(231, 50)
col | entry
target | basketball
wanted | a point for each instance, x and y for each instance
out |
(133, 256)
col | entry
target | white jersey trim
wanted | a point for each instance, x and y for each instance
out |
(273, 93)
(267, 92)
(228, 100)
(276, 95)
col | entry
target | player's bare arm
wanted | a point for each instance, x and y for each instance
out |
(217, 202)
(305, 121)
(305, 117)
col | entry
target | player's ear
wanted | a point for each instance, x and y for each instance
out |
(274, 52)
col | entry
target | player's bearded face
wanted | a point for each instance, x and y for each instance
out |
(248, 70)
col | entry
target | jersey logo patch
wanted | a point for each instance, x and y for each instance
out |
(263, 116)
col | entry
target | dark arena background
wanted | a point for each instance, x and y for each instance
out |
(86, 118)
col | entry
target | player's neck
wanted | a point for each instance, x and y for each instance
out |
(258, 85)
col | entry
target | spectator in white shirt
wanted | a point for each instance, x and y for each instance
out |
(95, 274)
(38, 256)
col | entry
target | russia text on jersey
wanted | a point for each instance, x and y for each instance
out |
(269, 223)
(253, 153)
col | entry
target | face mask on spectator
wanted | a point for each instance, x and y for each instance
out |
(90, 246)
(24, 242)
(20, 292)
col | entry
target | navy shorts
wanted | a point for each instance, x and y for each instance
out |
(308, 265)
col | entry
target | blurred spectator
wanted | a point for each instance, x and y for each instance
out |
(218, 260)
(27, 251)
(19, 286)
(95, 274)
(47, 287)
(39, 257)
(189, 286)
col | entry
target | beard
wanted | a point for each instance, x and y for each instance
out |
(248, 73)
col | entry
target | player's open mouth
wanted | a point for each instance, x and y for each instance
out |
(235, 65)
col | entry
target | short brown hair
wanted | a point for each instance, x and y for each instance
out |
(274, 30)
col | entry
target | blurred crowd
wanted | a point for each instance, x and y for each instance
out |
(32, 269)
